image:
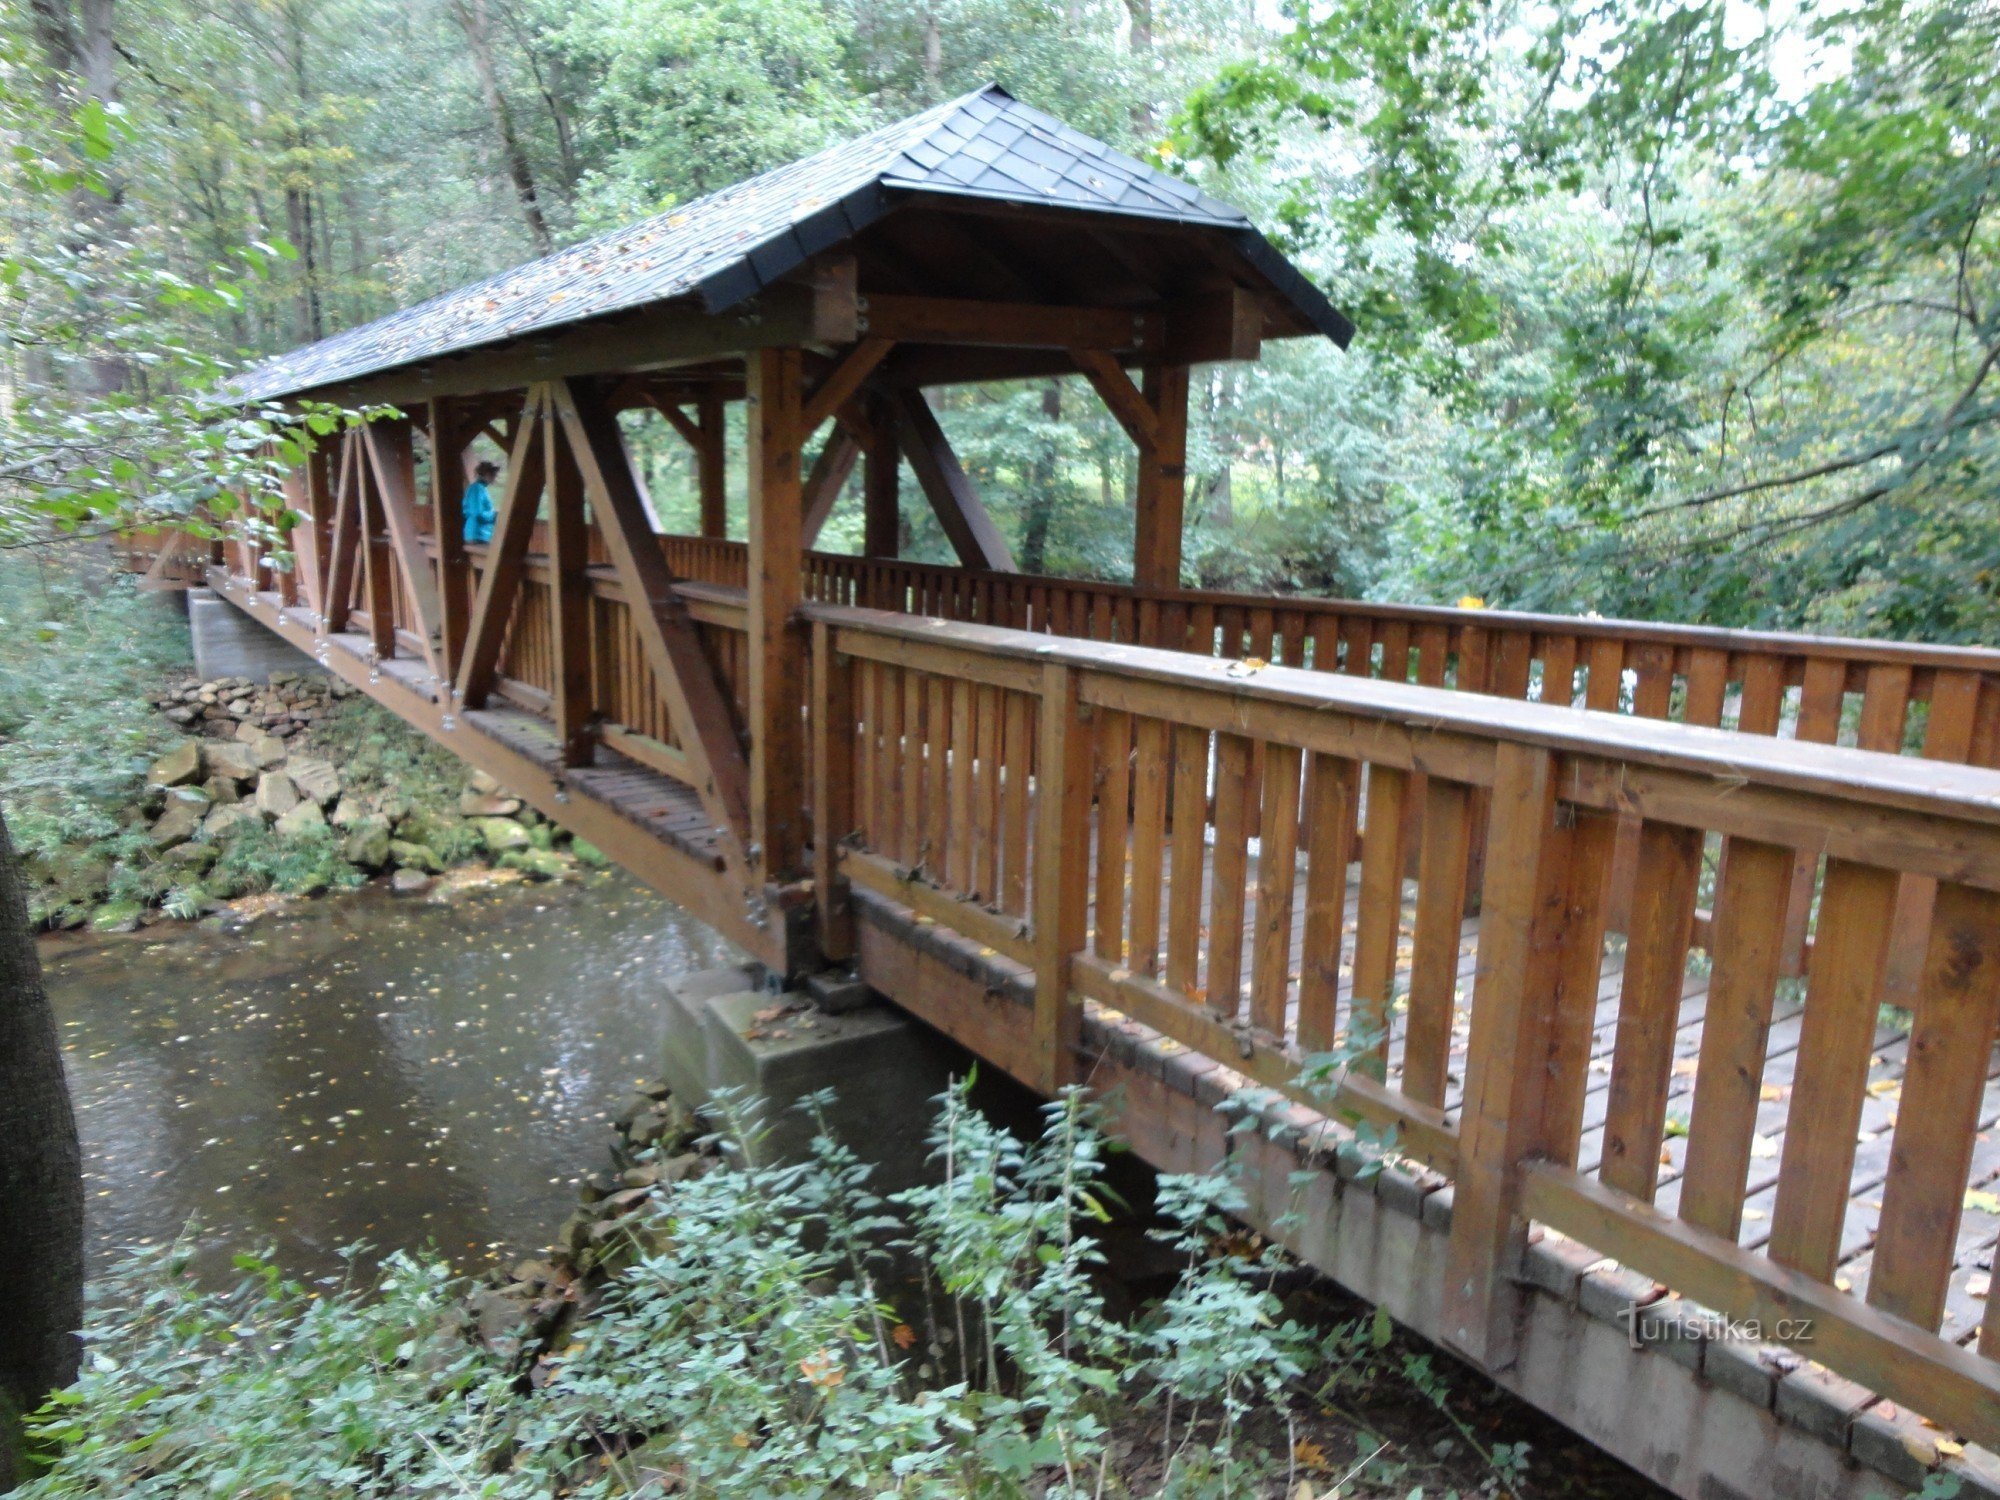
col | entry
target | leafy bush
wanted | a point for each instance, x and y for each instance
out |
(84, 650)
(777, 1329)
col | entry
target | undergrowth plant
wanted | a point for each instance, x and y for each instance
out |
(776, 1328)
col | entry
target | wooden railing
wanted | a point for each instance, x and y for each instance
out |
(1125, 823)
(1939, 702)
(1269, 841)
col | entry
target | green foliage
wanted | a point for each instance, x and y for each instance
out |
(694, 97)
(274, 1387)
(76, 729)
(1690, 311)
(748, 1346)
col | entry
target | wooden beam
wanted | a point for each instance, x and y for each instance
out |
(882, 519)
(450, 437)
(319, 512)
(835, 280)
(155, 579)
(777, 637)
(1124, 400)
(293, 484)
(842, 382)
(697, 705)
(677, 419)
(684, 878)
(973, 536)
(659, 337)
(376, 577)
(1162, 496)
(1225, 325)
(392, 457)
(346, 540)
(569, 599)
(512, 528)
(710, 466)
(1010, 325)
(830, 471)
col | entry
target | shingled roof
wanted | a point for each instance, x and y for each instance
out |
(728, 246)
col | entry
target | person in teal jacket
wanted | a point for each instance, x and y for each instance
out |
(478, 504)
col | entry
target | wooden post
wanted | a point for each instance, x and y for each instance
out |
(294, 484)
(1062, 873)
(711, 479)
(319, 510)
(448, 444)
(833, 789)
(505, 556)
(569, 598)
(777, 638)
(882, 524)
(392, 463)
(1162, 494)
(345, 543)
(376, 578)
(1517, 1065)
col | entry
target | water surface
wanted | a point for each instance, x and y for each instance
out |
(366, 1068)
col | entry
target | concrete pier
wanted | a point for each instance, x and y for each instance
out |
(229, 643)
(724, 1031)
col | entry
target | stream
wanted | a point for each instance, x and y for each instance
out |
(365, 1069)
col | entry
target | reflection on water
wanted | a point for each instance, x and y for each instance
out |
(367, 1069)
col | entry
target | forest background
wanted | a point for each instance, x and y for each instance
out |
(1672, 311)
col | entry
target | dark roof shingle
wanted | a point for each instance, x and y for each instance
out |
(725, 247)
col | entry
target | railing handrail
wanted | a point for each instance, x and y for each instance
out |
(1858, 649)
(1970, 793)
(1273, 752)
(1715, 637)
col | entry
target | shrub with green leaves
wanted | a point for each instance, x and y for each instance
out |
(775, 1329)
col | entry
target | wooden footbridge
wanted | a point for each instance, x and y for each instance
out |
(1664, 962)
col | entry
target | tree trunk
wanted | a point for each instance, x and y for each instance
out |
(479, 39)
(1042, 500)
(41, 1178)
(80, 54)
(933, 54)
(1141, 14)
(1220, 511)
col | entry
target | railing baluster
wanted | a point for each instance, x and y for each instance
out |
(1277, 870)
(1114, 763)
(1649, 1004)
(1228, 887)
(1440, 917)
(1843, 986)
(1062, 875)
(1379, 923)
(1330, 817)
(833, 789)
(1149, 825)
(1944, 1083)
(1748, 956)
(1190, 842)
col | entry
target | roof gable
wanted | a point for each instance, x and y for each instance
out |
(727, 246)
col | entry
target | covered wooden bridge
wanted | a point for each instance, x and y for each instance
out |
(1667, 958)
